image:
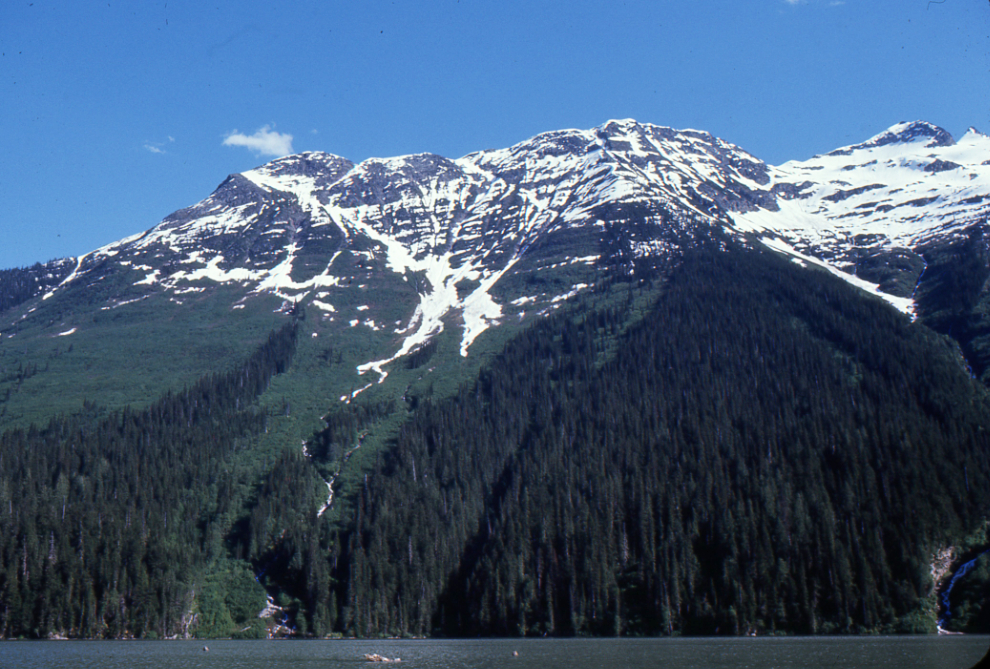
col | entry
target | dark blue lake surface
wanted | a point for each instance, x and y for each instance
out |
(958, 652)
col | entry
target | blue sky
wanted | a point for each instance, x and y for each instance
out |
(114, 114)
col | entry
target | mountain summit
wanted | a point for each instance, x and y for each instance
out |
(406, 248)
(916, 131)
(303, 226)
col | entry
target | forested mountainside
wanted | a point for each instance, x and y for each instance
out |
(629, 380)
(115, 527)
(765, 451)
(739, 446)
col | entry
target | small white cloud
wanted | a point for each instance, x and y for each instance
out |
(264, 142)
(158, 147)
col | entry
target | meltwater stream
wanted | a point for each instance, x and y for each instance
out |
(962, 571)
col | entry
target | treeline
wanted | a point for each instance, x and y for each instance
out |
(768, 451)
(107, 526)
(21, 284)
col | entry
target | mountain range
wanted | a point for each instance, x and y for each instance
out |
(636, 380)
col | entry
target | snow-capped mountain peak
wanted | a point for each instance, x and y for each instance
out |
(307, 226)
(928, 134)
(896, 192)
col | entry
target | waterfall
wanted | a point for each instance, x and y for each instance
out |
(962, 571)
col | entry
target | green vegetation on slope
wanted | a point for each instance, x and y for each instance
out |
(731, 444)
(110, 527)
(769, 451)
(953, 295)
(58, 353)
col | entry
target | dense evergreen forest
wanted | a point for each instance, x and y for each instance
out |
(731, 445)
(767, 451)
(108, 526)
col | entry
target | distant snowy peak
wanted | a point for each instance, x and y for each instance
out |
(916, 132)
(903, 185)
(905, 188)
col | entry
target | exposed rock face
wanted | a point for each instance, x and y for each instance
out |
(461, 233)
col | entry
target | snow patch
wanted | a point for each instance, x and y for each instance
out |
(148, 280)
(575, 289)
(324, 306)
(903, 304)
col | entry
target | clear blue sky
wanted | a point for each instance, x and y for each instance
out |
(115, 113)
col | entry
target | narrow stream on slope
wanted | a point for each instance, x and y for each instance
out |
(964, 569)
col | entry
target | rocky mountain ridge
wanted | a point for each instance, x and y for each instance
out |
(289, 227)
(408, 247)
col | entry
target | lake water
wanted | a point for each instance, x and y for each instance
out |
(957, 652)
